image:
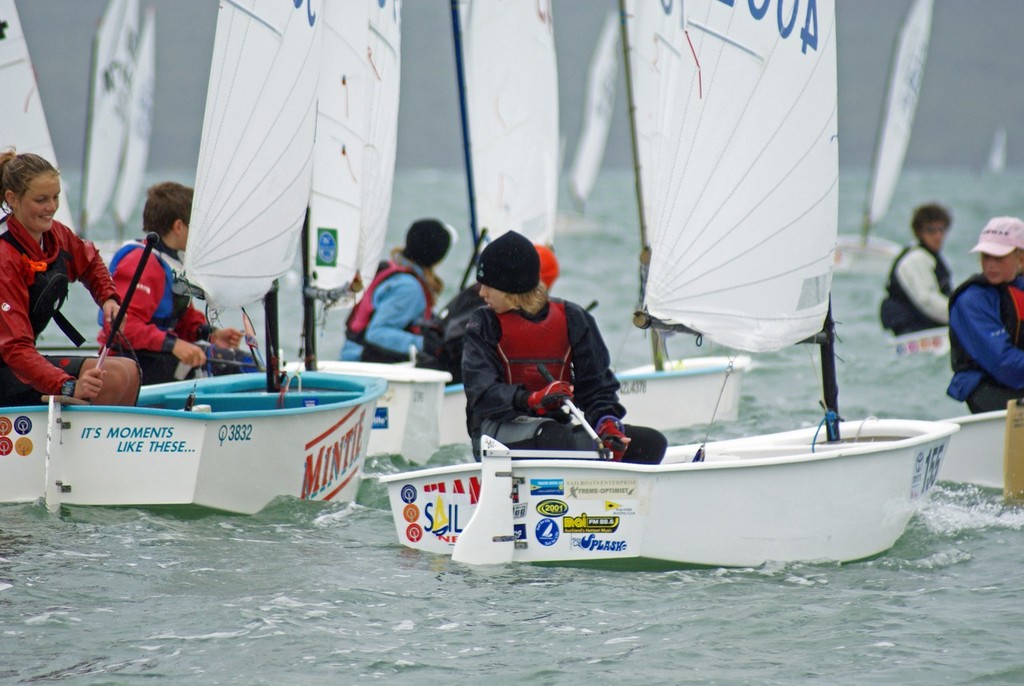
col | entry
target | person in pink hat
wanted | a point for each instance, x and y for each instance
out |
(986, 322)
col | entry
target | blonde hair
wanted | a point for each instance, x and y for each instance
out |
(18, 171)
(434, 282)
(530, 302)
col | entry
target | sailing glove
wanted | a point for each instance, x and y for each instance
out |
(609, 430)
(550, 397)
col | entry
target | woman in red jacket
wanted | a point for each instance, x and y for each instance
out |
(38, 258)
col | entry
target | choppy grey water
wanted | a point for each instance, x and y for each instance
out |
(308, 593)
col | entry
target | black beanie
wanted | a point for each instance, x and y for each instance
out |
(510, 264)
(426, 242)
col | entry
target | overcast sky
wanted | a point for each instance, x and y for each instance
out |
(972, 81)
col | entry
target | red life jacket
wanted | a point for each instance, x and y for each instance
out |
(524, 344)
(362, 313)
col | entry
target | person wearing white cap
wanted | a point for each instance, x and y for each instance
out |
(986, 322)
(917, 293)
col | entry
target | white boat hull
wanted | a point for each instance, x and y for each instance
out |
(408, 415)
(685, 394)
(751, 501)
(976, 452)
(235, 452)
(853, 255)
(926, 342)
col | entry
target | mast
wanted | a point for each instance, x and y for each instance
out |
(830, 384)
(271, 327)
(466, 147)
(645, 246)
(308, 303)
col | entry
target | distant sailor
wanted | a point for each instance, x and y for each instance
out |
(986, 322)
(920, 280)
(388, 321)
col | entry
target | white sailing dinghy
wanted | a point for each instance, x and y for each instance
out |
(21, 108)
(871, 253)
(512, 108)
(597, 116)
(976, 452)
(245, 441)
(997, 155)
(925, 342)
(108, 110)
(742, 254)
(353, 174)
(139, 125)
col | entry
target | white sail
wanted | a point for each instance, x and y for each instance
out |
(383, 57)
(335, 201)
(738, 141)
(997, 156)
(256, 154)
(597, 113)
(907, 73)
(512, 103)
(140, 123)
(108, 106)
(21, 109)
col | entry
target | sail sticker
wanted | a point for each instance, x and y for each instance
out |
(547, 531)
(813, 292)
(326, 247)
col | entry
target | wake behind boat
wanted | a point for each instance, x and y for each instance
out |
(742, 239)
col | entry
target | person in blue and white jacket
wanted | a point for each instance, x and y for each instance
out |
(388, 321)
(986, 322)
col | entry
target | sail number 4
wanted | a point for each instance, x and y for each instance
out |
(786, 11)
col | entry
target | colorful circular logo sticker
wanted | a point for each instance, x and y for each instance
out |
(5, 445)
(408, 493)
(547, 531)
(22, 425)
(411, 513)
(414, 532)
(23, 446)
(5, 426)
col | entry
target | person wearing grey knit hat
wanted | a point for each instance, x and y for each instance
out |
(986, 313)
(386, 325)
(525, 355)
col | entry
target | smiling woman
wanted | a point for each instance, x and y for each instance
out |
(38, 258)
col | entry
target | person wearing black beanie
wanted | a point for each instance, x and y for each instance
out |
(386, 324)
(525, 355)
